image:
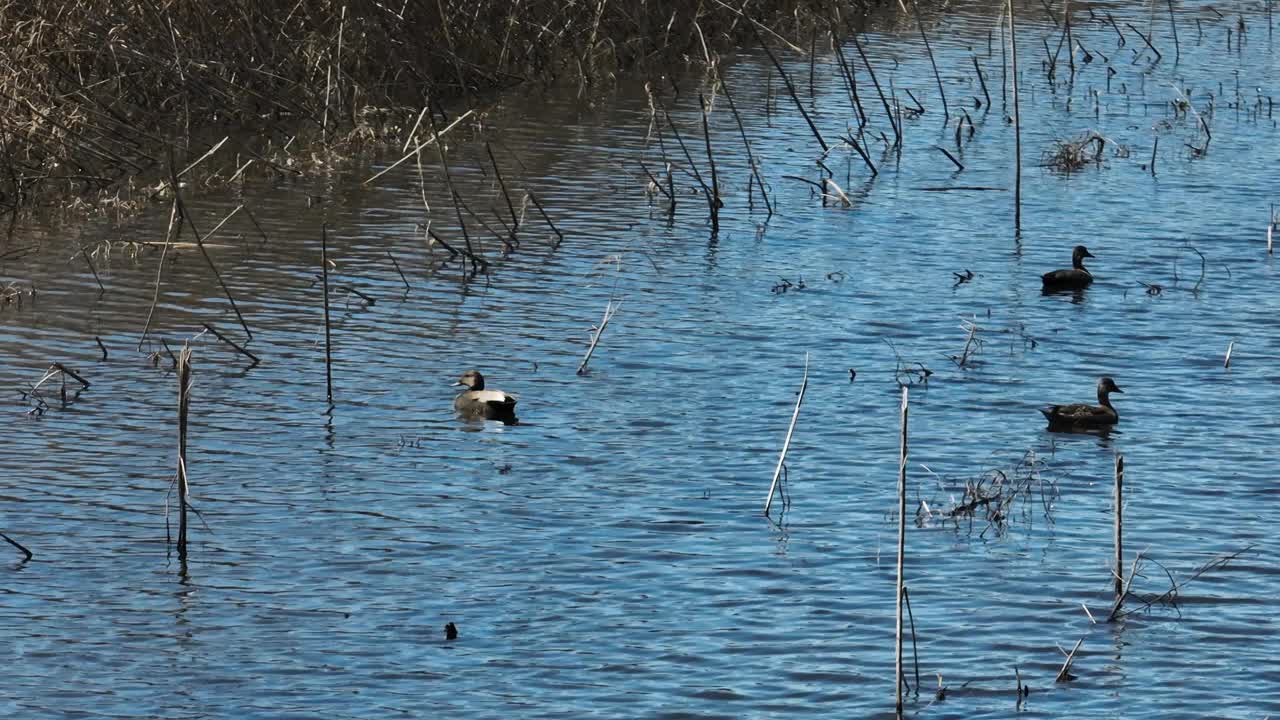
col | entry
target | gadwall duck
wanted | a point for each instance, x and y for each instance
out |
(476, 402)
(1084, 417)
(1075, 278)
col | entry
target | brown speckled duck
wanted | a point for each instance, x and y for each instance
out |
(476, 402)
(1075, 278)
(1086, 417)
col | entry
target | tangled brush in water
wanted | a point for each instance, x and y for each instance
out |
(999, 497)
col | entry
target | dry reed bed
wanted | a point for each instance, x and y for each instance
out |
(92, 91)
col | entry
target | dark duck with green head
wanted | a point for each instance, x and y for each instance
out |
(1086, 417)
(1074, 278)
(477, 402)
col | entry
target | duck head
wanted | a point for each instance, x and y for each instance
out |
(472, 380)
(1106, 386)
(1078, 255)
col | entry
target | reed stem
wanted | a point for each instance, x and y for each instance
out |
(902, 543)
(328, 338)
(1118, 501)
(184, 405)
(1017, 126)
(786, 443)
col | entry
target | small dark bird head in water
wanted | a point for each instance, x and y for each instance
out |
(450, 631)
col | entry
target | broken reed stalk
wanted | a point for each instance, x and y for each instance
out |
(981, 81)
(609, 310)
(946, 114)
(850, 80)
(1173, 23)
(497, 171)
(714, 198)
(170, 235)
(791, 90)
(256, 226)
(866, 159)
(853, 33)
(369, 299)
(453, 194)
(1017, 127)
(1226, 363)
(204, 157)
(786, 443)
(1271, 217)
(400, 272)
(435, 137)
(328, 340)
(915, 652)
(1064, 675)
(22, 548)
(182, 212)
(1146, 40)
(84, 384)
(253, 358)
(751, 159)
(706, 189)
(902, 546)
(89, 261)
(1154, 146)
(959, 165)
(184, 405)
(1118, 501)
(554, 229)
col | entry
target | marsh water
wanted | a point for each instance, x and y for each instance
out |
(607, 556)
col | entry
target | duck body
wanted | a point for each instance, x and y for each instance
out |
(477, 402)
(1074, 278)
(1081, 416)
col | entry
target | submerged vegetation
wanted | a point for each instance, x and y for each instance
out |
(94, 93)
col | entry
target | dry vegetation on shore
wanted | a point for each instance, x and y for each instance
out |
(95, 93)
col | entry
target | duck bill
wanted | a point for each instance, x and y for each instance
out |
(1117, 390)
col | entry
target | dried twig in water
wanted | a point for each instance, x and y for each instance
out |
(972, 344)
(89, 261)
(609, 310)
(171, 234)
(908, 373)
(791, 90)
(435, 137)
(22, 548)
(399, 272)
(959, 165)
(786, 443)
(253, 358)
(183, 213)
(1064, 675)
(1071, 155)
(1170, 596)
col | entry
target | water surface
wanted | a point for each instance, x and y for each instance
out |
(607, 556)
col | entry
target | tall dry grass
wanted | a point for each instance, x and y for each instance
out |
(93, 91)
